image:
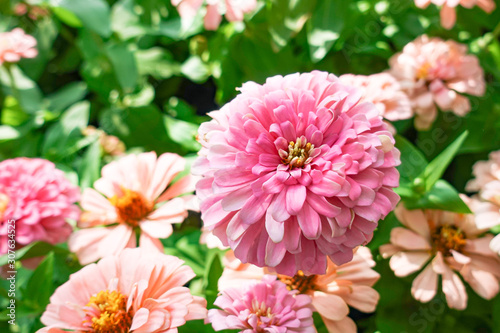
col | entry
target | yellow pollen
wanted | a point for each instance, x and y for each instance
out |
(299, 152)
(299, 281)
(131, 207)
(107, 313)
(423, 71)
(446, 238)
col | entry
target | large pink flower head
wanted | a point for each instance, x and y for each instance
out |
(137, 291)
(296, 170)
(135, 193)
(15, 45)
(384, 91)
(445, 243)
(234, 10)
(347, 285)
(39, 198)
(263, 306)
(448, 14)
(433, 71)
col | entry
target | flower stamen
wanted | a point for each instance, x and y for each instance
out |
(131, 207)
(301, 282)
(107, 312)
(448, 237)
(300, 152)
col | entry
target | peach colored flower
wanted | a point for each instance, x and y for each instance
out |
(234, 10)
(134, 194)
(137, 291)
(384, 91)
(15, 45)
(436, 72)
(342, 286)
(444, 243)
(448, 14)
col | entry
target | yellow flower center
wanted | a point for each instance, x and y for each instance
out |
(299, 281)
(131, 207)
(107, 313)
(423, 71)
(446, 238)
(299, 152)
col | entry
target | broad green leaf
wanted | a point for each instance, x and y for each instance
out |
(179, 29)
(30, 96)
(442, 196)
(66, 96)
(435, 169)
(124, 66)
(90, 165)
(212, 279)
(157, 62)
(40, 284)
(8, 133)
(195, 69)
(182, 132)
(413, 162)
(12, 113)
(35, 249)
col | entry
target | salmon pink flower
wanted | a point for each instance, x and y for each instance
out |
(348, 284)
(444, 243)
(136, 291)
(15, 45)
(433, 71)
(294, 171)
(135, 193)
(40, 200)
(263, 306)
(232, 9)
(448, 14)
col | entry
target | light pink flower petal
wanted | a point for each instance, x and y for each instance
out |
(330, 306)
(424, 286)
(405, 263)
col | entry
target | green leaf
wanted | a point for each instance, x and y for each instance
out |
(35, 249)
(325, 27)
(12, 113)
(212, 279)
(413, 162)
(435, 169)
(182, 132)
(180, 29)
(8, 133)
(90, 165)
(66, 96)
(39, 286)
(30, 96)
(124, 65)
(195, 69)
(157, 62)
(442, 196)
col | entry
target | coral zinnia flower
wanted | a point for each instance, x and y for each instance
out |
(296, 170)
(448, 14)
(384, 91)
(233, 10)
(136, 196)
(15, 45)
(137, 291)
(448, 242)
(487, 182)
(432, 71)
(39, 198)
(263, 306)
(348, 284)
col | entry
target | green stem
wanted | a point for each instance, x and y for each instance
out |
(496, 31)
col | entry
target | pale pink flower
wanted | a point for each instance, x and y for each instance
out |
(347, 285)
(263, 306)
(233, 10)
(384, 91)
(444, 243)
(135, 192)
(15, 45)
(487, 183)
(436, 72)
(40, 200)
(210, 240)
(448, 14)
(137, 291)
(296, 170)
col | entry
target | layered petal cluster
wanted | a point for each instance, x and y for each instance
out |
(263, 306)
(294, 171)
(384, 91)
(448, 14)
(137, 291)
(444, 243)
(135, 193)
(347, 285)
(40, 200)
(487, 183)
(15, 45)
(233, 10)
(436, 72)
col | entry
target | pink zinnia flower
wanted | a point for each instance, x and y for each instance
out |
(445, 243)
(448, 14)
(384, 91)
(263, 306)
(487, 183)
(40, 200)
(134, 193)
(232, 9)
(348, 284)
(15, 45)
(432, 71)
(296, 170)
(137, 291)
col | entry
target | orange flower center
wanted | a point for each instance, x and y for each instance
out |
(107, 313)
(448, 237)
(298, 153)
(423, 71)
(131, 207)
(299, 281)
